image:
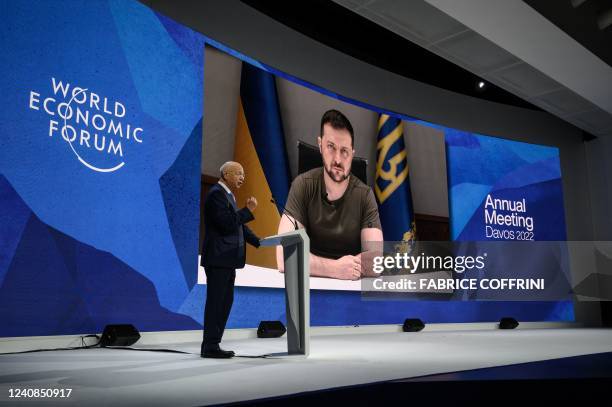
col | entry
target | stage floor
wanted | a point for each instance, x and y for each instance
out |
(121, 377)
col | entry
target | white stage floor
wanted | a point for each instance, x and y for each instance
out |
(121, 377)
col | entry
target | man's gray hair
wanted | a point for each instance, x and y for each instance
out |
(226, 166)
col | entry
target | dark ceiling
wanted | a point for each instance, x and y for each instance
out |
(583, 20)
(337, 27)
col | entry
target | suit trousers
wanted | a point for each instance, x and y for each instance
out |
(219, 300)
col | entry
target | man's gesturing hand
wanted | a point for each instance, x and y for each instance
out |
(251, 203)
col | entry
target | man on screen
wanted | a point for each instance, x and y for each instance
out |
(223, 251)
(338, 211)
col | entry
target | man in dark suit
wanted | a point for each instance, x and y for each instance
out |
(223, 251)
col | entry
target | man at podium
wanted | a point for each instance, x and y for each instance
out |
(338, 211)
(223, 251)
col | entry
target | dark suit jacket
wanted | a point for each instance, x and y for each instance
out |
(225, 231)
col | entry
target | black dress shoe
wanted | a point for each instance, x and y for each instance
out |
(217, 354)
(214, 351)
(213, 348)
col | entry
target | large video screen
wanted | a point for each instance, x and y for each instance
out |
(462, 186)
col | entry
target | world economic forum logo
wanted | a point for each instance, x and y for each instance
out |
(94, 127)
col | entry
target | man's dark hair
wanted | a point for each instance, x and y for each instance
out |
(338, 121)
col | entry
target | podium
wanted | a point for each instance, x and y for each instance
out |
(296, 250)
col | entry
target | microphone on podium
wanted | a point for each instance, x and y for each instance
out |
(282, 210)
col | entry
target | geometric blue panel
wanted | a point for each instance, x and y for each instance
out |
(14, 214)
(190, 42)
(39, 295)
(56, 285)
(183, 180)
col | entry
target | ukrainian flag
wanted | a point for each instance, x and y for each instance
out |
(392, 186)
(260, 148)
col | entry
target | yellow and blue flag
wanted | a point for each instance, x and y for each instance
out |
(392, 185)
(260, 148)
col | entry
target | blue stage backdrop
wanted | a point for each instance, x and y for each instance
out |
(491, 179)
(100, 146)
(100, 152)
(489, 176)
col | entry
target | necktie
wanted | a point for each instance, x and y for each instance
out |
(240, 231)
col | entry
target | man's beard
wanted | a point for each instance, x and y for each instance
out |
(335, 176)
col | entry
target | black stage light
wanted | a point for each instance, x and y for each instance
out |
(271, 329)
(413, 325)
(508, 323)
(119, 335)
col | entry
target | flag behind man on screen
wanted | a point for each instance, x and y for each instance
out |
(392, 185)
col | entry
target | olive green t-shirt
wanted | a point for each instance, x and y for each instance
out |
(334, 227)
